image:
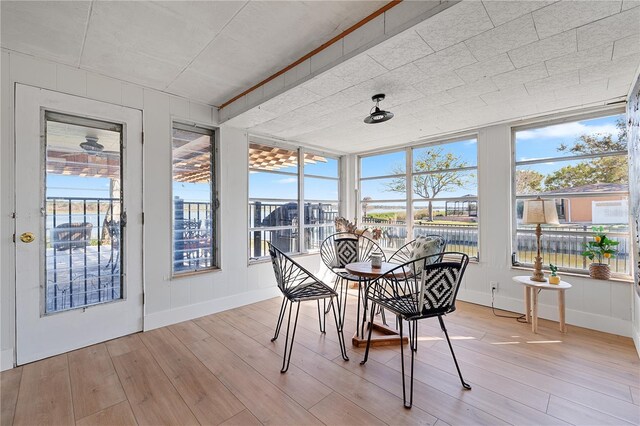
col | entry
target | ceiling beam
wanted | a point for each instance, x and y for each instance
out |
(340, 36)
(385, 23)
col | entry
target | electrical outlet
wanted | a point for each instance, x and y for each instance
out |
(493, 286)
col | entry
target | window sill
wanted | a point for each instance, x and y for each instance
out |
(267, 259)
(619, 279)
(194, 273)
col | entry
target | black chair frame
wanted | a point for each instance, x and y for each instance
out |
(414, 296)
(298, 285)
(366, 246)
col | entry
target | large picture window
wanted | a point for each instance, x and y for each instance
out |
(442, 200)
(281, 179)
(583, 166)
(194, 199)
(445, 194)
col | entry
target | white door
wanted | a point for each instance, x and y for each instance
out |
(78, 222)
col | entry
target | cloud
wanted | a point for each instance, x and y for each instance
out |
(287, 180)
(567, 130)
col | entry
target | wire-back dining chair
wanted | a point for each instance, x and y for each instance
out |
(335, 261)
(299, 285)
(335, 256)
(405, 253)
(431, 292)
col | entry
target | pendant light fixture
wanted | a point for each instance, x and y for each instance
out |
(91, 144)
(377, 115)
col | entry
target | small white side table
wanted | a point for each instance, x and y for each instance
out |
(531, 289)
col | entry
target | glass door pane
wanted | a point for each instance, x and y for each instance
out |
(82, 212)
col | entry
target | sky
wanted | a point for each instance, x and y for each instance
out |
(387, 164)
(529, 144)
(285, 187)
(544, 142)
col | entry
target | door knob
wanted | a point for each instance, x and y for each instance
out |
(27, 237)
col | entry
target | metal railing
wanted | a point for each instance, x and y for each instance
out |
(563, 246)
(277, 222)
(193, 228)
(462, 238)
(82, 255)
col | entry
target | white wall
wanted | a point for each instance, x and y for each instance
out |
(596, 304)
(167, 300)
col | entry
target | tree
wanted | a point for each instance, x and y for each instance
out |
(528, 182)
(429, 185)
(597, 170)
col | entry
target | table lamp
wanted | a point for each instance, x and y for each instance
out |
(538, 212)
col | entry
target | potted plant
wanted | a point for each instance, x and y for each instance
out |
(553, 278)
(599, 249)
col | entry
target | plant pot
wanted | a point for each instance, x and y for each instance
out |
(599, 271)
(554, 279)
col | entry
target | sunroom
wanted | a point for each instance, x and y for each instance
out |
(200, 199)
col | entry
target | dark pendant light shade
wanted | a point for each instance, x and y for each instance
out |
(91, 144)
(377, 115)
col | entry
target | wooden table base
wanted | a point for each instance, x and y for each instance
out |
(389, 337)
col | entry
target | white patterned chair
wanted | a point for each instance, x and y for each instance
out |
(415, 290)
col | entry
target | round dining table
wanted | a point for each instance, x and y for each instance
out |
(367, 273)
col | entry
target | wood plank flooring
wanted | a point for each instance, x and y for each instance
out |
(224, 370)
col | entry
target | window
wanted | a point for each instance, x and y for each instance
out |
(583, 166)
(321, 199)
(383, 196)
(443, 199)
(445, 194)
(194, 199)
(276, 192)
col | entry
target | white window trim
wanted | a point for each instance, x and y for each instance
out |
(215, 196)
(301, 151)
(409, 174)
(540, 122)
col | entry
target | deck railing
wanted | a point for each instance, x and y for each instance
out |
(193, 245)
(563, 246)
(277, 222)
(82, 258)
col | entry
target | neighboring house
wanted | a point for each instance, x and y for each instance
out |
(591, 208)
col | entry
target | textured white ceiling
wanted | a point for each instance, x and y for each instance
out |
(204, 50)
(472, 64)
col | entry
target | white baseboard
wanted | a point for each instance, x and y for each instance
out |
(578, 318)
(6, 359)
(185, 313)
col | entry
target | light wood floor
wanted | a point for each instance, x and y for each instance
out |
(222, 369)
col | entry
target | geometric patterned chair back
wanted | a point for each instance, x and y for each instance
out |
(403, 254)
(433, 291)
(342, 248)
(440, 283)
(346, 251)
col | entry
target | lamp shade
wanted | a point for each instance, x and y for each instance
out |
(540, 211)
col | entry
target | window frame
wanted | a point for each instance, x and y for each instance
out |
(214, 132)
(301, 151)
(409, 174)
(547, 121)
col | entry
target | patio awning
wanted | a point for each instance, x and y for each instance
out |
(269, 158)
